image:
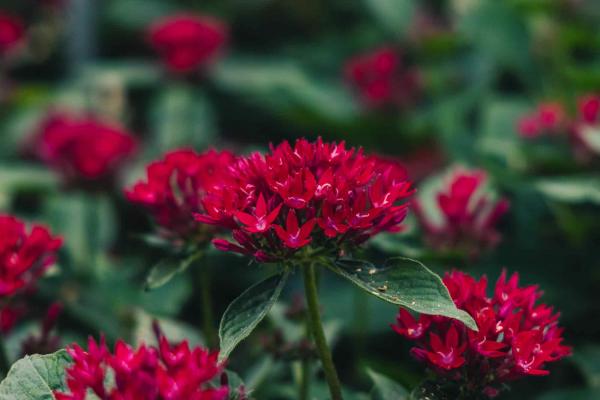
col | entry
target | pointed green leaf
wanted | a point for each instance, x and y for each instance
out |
(167, 268)
(403, 282)
(36, 377)
(385, 388)
(245, 312)
(571, 189)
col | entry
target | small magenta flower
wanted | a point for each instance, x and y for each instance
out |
(517, 337)
(12, 32)
(187, 42)
(547, 119)
(169, 372)
(294, 236)
(469, 215)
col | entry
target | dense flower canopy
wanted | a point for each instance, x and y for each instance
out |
(175, 186)
(380, 78)
(83, 148)
(169, 372)
(11, 32)
(469, 215)
(24, 255)
(517, 335)
(316, 193)
(187, 42)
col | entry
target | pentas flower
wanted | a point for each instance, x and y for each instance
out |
(83, 149)
(548, 118)
(12, 32)
(187, 42)
(517, 335)
(167, 372)
(175, 186)
(380, 78)
(469, 215)
(314, 195)
(586, 127)
(25, 254)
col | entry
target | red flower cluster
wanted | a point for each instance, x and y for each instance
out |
(176, 185)
(548, 118)
(318, 193)
(517, 337)
(380, 78)
(586, 125)
(469, 216)
(83, 149)
(169, 372)
(11, 32)
(187, 42)
(24, 256)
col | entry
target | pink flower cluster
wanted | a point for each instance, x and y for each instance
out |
(548, 118)
(83, 149)
(24, 256)
(469, 215)
(12, 32)
(316, 193)
(176, 185)
(380, 78)
(169, 372)
(187, 42)
(517, 335)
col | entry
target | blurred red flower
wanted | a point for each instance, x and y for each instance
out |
(83, 149)
(187, 42)
(517, 337)
(380, 78)
(314, 193)
(24, 256)
(469, 215)
(169, 372)
(175, 186)
(12, 32)
(548, 118)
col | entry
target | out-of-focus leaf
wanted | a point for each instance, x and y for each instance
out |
(591, 137)
(385, 388)
(136, 15)
(588, 360)
(167, 268)
(128, 73)
(572, 394)
(403, 282)
(246, 312)
(571, 189)
(393, 15)
(181, 116)
(35, 377)
(14, 179)
(174, 330)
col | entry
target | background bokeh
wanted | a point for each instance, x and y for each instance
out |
(477, 67)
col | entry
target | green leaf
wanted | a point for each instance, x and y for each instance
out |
(403, 282)
(576, 189)
(167, 268)
(35, 377)
(385, 388)
(245, 312)
(395, 15)
(572, 394)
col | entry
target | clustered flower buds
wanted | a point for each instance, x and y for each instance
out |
(83, 148)
(176, 185)
(318, 194)
(187, 42)
(469, 215)
(548, 118)
(24, 256)
(380, 78)
(517, 335)
(12, 32)
(166, 372)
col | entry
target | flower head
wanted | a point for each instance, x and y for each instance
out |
(11, 32)
(83, 149)
(469, 216)
(380, 78)
(516, 337)
(586, 127)
(187, 42)
(315, 194)
(175, 186)
(167, 372)
(24, 255)
(548, 118)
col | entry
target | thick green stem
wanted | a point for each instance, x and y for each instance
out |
(208, 327)
(314, 318)
(4, 363)
(304, 379)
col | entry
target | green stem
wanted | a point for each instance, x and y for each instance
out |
(208, 327)
(314, 318)
(4, 363)
(304, 379)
